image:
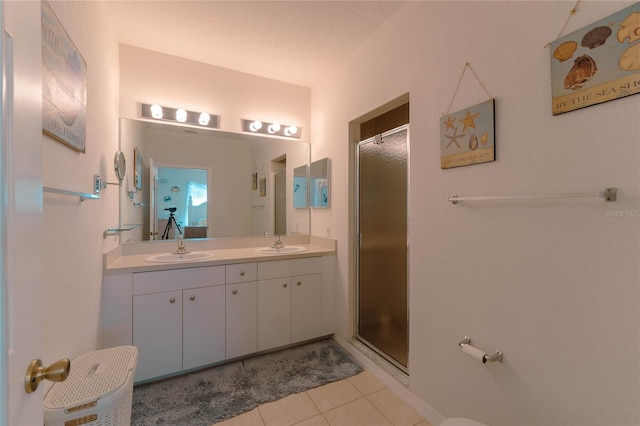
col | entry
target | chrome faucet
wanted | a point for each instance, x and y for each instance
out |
(181, 248)
(278, 244)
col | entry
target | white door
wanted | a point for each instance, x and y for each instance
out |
(153, 217)
(20, 211)
(306, 307)
(274, 313)
(203, 326)
(157, 333)
(241, 327)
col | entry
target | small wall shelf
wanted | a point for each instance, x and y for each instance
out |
(117, 231)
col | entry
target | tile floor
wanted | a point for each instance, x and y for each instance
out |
(359, 400)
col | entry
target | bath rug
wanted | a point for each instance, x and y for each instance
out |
(219, 393)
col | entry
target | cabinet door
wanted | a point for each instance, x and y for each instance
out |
(157, 333)
(274, 313)
(203, 326)
(241, 319)
(306, 307)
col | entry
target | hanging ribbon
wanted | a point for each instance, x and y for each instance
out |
(571, 13)
(467, 65)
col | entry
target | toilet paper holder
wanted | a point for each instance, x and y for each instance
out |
(485, 358)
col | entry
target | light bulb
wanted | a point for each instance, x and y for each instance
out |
(181, 115)
(273, 128)
(255, 126)
(156, 111)
(204, 119)
(291, 130)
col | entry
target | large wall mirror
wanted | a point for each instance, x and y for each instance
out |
(203, 180)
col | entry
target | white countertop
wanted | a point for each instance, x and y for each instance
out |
(117, 262)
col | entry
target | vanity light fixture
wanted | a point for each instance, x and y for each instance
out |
(180, 115)
(255, 126)
(156, 111)
(204, 119)
(290, 131)
(275, 129)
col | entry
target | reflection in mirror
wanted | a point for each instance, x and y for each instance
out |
(137, 168)
(181, 202)
(300, 180)
(120, 166)
(319, 184)
(234, 206)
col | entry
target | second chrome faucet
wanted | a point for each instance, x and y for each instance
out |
(278, 243)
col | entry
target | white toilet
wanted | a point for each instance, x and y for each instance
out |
(459, 421)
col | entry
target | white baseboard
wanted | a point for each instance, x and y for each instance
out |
(391, 377)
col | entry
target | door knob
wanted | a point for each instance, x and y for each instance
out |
(56, 372)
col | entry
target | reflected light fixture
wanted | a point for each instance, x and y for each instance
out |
(274, 129)
(180, 115)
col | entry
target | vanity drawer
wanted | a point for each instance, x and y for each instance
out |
(286, 268)
(241, 272)
(177, 279)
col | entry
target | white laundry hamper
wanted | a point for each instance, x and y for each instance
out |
(98, 391)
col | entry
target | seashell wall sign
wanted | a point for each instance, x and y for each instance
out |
(598, 63)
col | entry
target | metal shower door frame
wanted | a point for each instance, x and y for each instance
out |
(361, 339)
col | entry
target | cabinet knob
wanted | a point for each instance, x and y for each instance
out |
(299, 283)
(284, 285)
(192, 298)
(234, 292)
(172, 300)
(242, 273)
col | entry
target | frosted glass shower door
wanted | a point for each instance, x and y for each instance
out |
(280, 202)
(382, 177)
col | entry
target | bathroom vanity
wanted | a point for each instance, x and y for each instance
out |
(237, 302)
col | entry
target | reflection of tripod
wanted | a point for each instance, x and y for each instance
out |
(172, 219)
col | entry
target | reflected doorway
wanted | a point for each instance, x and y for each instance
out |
(280, 202)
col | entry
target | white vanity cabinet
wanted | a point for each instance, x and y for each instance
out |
(178, 319)
(289, 301)
(181, 319)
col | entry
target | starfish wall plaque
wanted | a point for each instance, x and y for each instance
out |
(460, 133)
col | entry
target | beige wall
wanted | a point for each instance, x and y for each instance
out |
(151, 77)
(554, 285)
(72, 236)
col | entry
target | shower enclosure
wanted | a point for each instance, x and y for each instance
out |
(382, 255)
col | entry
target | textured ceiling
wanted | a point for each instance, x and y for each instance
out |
(292, 41)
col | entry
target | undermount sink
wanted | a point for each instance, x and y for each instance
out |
(288, 249)
(172, 257)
